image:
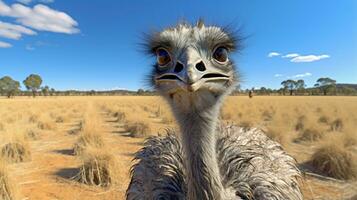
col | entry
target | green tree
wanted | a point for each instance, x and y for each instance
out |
(326, 84)
(140, 92)
(52, 91)
(33, 82)
(9, 86)
(300, 86)
(289, 85)
(45, 90)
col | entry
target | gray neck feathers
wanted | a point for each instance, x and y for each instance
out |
(197, 115)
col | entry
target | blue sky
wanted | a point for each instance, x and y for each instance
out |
(94, 44)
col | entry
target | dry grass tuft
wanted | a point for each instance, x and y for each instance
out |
(300, 124)
(120, 116)
(15, 152)
(334, 160)
(88, 139)
(267, 115)
(138, 129)
(324, 119)
(60, 119)
(32, 134)
(7, 189)
(47, 125)
(311, 134)
(33, 118)
(98, 168)
(246, 124)
(277, 134)
(336, 125)
(158, 112)
(226, 115)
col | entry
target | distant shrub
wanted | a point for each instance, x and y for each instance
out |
(246, 124)
(88, 139)
(167, 120)
(47, 125)
(226, 116)
(336, 125)
(324, 120)
(310, 134)
(267, 115)
(158, 112)
(32, 134)
(277, 134)
(318, 109)
(59, 119)
(15, 152)
(138, 129)
(120, 116)
(33, 118)
(300, 124)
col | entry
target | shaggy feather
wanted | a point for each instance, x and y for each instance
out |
(251, 165)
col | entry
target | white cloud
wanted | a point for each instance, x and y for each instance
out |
(29, 1)
(40, 17)
(309, 58)
(291, 55)
(24, 1)
(5, 45)
(273, 54)
(301, 75)
(29, 47)
(278, 75)
(13, 31)
(46, 1)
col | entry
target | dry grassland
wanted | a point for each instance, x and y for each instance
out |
(82, 147)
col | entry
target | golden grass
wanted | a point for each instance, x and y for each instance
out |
(99, 167)
(334, 159)
(91, 134)
(7, 188)
(16, 152)
(14, 146)
(310, 121)
(138, 129)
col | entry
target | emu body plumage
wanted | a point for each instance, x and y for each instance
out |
(206, 161)
(251, 166)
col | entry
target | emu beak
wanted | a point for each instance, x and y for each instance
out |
(191, 81)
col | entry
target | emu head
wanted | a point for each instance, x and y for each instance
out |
(193, 63)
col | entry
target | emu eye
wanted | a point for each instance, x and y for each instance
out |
(162, 56)
(221, 54)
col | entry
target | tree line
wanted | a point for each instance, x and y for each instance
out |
(33, 83)
(323, 86)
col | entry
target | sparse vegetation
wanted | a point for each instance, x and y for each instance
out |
(335, 160)
(16, 152)
(98, 167)
(138, 129)
(7, 189)
(311, 134)
(100, 126)
(88, 139)
(120, 116)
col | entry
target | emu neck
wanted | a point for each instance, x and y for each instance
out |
(198, 116)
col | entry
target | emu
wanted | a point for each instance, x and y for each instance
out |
(194, 72)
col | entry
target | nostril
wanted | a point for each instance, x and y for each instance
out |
(178, 67)
(200, 66)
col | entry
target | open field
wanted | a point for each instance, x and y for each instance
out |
(82, 147)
